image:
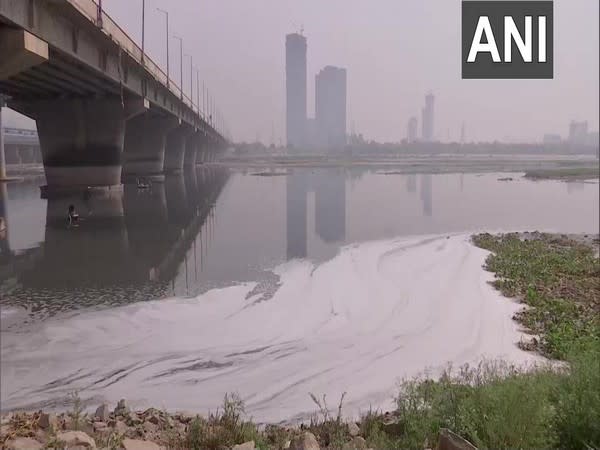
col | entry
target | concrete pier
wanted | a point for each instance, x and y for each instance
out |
(176, 146)
(145, 141)
(191, 149)
(81, 140)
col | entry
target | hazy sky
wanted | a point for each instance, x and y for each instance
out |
(395, 52)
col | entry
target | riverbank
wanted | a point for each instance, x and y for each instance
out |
(493, 405)
(419, 163)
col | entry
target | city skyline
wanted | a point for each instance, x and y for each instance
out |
(414, 46)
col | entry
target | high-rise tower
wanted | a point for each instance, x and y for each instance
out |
(427, 120)
(295, 73)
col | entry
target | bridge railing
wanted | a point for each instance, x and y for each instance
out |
(90, 9)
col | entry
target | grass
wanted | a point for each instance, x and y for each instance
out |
(567, 173)
(558, 279)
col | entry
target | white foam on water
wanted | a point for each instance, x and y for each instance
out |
(377, 312)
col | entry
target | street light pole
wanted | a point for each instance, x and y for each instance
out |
(180, 64)
(143, 28)
(198, 89)
(166, 13)
(191, 80)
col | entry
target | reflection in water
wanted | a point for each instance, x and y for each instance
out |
(411, 183)
(4, 246)
(296, 205)
(330, 205)
(575, 186)
(427, 194)
(129, 245)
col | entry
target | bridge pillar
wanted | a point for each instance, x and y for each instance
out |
(191, 149)
(81, 140)
(145, 140)
(175, 150)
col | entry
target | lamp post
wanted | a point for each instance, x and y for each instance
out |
(143, 28)
(166, 13)
(180, 63)
(191, 79)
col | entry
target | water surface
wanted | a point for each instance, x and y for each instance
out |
(317, 281)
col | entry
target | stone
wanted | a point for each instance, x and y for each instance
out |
(353, 429)
(153, 419)
(76, 438)
(287, 444)
(136, 444)
(102, 412)
(150, 427)
(447, 440)
(120, 426)
(357, 443)
(121, 408)
(245, 446)
(48, 421)
(4, 429)
(23, 444)
(100, 426)
(307, 441)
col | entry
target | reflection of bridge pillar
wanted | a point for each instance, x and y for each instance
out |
(95, 252)
(146, 218)
(145, 139)
(177, 200)
(175, 150)
(81, 140)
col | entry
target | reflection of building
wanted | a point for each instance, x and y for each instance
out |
(296, 204)
(411, 183)
(427, 194)
(330, 106)
(427, 120)
(411, 132)
(330, 205)
(295, 71)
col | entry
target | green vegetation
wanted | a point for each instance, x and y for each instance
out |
(566, 173)
(497, 406)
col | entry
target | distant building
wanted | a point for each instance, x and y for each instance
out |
(427, 120)
(578, 132)
(330, 107)
(295, 72)
(311, 132)
(411, 132)
(552, 139)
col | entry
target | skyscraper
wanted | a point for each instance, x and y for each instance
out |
(427, 120)
(295, 73)
(330, 107)
(411, 133)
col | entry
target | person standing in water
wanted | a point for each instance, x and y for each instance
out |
(72, 216)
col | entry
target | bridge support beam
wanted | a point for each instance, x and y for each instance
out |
(81, 140)
(176, 146)
(145, 140)
(20, 50)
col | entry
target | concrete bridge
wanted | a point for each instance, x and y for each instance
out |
(104, 110)
(131, 241)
